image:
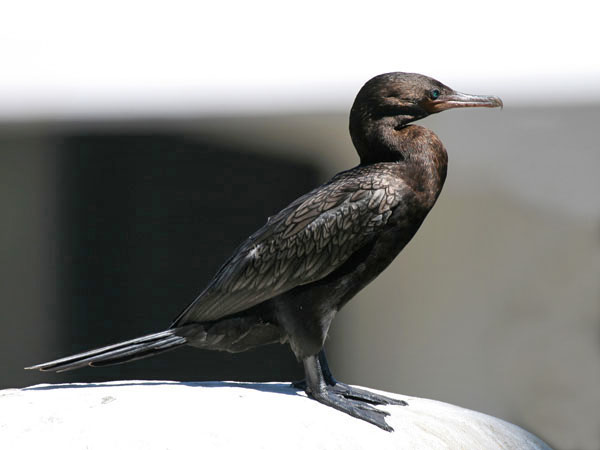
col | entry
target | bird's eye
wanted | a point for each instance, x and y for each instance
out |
(435, 93)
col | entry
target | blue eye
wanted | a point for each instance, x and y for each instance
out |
(435, 94)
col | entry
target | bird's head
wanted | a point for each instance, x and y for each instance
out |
(411, 96)
(390, 101)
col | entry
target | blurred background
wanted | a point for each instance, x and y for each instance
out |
(141, 142)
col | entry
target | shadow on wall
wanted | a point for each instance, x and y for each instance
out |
(142, 224)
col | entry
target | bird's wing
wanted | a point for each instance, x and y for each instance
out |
(303, 243)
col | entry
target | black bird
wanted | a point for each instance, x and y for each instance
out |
(287, 281)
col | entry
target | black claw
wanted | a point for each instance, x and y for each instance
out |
(366, 396)
(356, 408)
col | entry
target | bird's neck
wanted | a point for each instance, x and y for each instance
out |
(425, 160)
(375, 140)
(417, 149)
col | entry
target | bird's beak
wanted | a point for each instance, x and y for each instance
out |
(460, 100)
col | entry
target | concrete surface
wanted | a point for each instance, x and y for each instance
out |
(224, 415)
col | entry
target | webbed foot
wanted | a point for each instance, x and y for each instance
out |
(365, 396)
(355, 393)
(320, 385)
(356, 408)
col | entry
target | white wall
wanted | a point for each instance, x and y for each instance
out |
(70, 59)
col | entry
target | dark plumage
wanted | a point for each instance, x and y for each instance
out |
(287, 281)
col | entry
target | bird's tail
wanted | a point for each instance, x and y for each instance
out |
(137, 348)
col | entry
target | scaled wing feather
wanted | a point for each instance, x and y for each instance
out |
(303, 243)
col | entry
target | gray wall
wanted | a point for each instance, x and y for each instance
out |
(494, 305)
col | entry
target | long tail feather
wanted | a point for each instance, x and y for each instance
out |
(137, 348)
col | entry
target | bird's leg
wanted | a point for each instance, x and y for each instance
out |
(352, 392)
(318, 389)
(346, 390)
(328, 377)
